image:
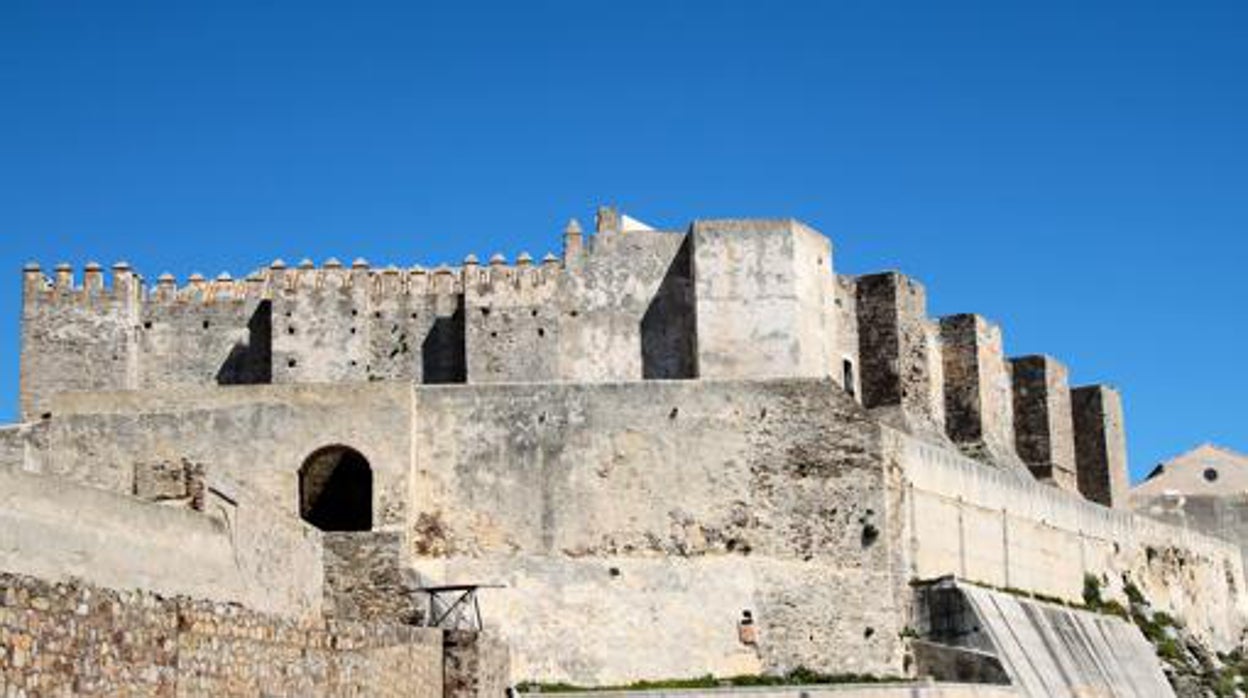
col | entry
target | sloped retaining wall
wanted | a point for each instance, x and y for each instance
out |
(1047, 650)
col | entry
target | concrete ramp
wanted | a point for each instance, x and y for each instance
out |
(1048, 650)
(882, 690)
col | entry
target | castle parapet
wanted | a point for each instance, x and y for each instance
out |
(363, 280)
(1100, 444)
(512, 319)
(1043, 432)
(123, 287)
(521, 284)
(197, 289)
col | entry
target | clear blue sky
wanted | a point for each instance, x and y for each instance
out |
(1073, 170)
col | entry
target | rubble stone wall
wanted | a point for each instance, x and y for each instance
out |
(475, 665)
(365, 578)
(71, 638)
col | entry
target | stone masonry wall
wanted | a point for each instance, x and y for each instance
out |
(77, 337)
(765, 293)
(624, 301)
(512, 320)
(620, 308)
(15, 440)
(338, 324)
(635, 524)
(71, 638)
(1224, 516)
(846, 303)
(979, 403)
(257, 435)
(184, 341)
(365, 578)
(475, 665)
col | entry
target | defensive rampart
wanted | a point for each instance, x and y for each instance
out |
(636, 524)
(982, 524)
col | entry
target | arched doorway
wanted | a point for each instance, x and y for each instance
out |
(336, 490)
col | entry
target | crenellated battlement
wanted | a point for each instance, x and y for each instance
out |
(526, 283)
(197, 289)
(953, 374)
(123, 284)
(363, 279)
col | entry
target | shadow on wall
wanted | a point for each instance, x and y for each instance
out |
(251, 362)
(442, 353)
(669, 342)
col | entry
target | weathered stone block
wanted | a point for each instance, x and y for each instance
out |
(164, 480)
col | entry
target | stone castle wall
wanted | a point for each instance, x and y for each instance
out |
(635, 526)
(366, 578)
(1223, 515)
(621, 310)
(475, 665)
(632, 522)
(71, 638)
(708, 499)
(256, 434)
(980, 524)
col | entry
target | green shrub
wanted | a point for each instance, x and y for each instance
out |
(1092, 591)
(797, 677)
(1168, 649)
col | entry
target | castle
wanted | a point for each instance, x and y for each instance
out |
(674, 453)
